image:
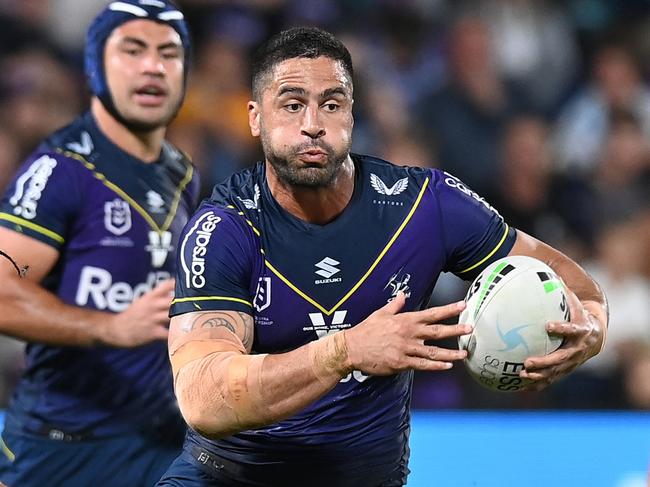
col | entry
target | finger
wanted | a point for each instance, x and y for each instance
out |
(576, 308)
(419, 363)
(395, 305)
(435, 353)
(566, 329)
(438, 332)
(160, 316)
(558, 357)
(437, 313)
(165, 287)
(160, 333)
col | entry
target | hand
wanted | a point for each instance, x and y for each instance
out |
(388, 342)
(146, 320)
(582, 338)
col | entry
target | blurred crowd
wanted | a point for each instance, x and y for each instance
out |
(541, 106)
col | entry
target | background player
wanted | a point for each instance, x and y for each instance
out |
(96, 212)
(295, 328)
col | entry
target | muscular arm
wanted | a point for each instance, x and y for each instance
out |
(222, 390)
(585, 335)
(30, 312)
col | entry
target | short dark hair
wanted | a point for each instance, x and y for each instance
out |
(305, 42)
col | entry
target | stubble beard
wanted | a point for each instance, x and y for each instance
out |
(295, 173)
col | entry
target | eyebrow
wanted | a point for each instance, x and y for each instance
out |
(141, 43)
(328, 93)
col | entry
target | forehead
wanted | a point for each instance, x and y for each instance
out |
(311, 75)
(146, 31)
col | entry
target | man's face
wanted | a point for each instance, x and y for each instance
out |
(304, 120)
(144, 66)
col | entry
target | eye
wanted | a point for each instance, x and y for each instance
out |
(293, 107)
(171, 55)
(331, 107)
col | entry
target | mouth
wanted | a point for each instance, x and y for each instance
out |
(150, 95)
(313, 155)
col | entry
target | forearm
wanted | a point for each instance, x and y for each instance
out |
(32, 313)
(220, 395)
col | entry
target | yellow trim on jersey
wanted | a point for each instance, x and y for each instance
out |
(503, 239)
(212, 298)
(134, 204)
(32, 226)
(368, 272)
(5, 449)
(294, 288)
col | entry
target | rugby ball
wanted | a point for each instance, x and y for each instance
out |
(509, 304)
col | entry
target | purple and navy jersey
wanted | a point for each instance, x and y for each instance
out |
(300, 281)
(115, 222)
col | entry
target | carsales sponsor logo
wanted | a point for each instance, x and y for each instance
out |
(30, 186)
(194, 264)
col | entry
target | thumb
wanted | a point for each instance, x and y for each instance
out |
(395, 305)
(160, 333)
(165, 287)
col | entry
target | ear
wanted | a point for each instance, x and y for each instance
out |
(254, 118)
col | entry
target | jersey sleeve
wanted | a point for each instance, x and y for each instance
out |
(214, 263)
(474, 233)
(42, 199)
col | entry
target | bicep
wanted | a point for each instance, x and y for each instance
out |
(530, 246)
(219, 324)
(29, 252)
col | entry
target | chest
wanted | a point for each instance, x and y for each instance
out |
(311, 285)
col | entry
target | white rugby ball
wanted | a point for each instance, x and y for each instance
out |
(509, 304)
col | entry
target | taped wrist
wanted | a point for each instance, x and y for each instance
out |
(329, 358)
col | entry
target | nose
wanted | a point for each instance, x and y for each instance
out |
(153, 64)
(311, 123)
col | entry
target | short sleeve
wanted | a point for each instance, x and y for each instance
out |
(42, 199)
(474, 233)
(214, 263)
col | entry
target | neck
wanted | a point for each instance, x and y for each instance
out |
(143, 145)
(314, 205)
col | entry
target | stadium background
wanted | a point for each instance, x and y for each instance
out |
(541, 106)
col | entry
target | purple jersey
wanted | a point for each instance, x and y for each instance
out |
(300, 281)
(115, 221)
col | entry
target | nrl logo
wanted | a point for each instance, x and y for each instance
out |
(252, 204)
(117, 216)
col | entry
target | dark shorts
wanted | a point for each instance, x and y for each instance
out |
(197, 468)
(132, 460)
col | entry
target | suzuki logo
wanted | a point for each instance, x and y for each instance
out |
(327, 267)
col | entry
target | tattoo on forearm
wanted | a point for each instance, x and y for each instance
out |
(21, 272)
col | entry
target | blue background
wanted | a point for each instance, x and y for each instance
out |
(529, 449)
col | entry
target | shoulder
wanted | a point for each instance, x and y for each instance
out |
(241, 190)
(381, 172)
(177, 162)
(73, 138)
